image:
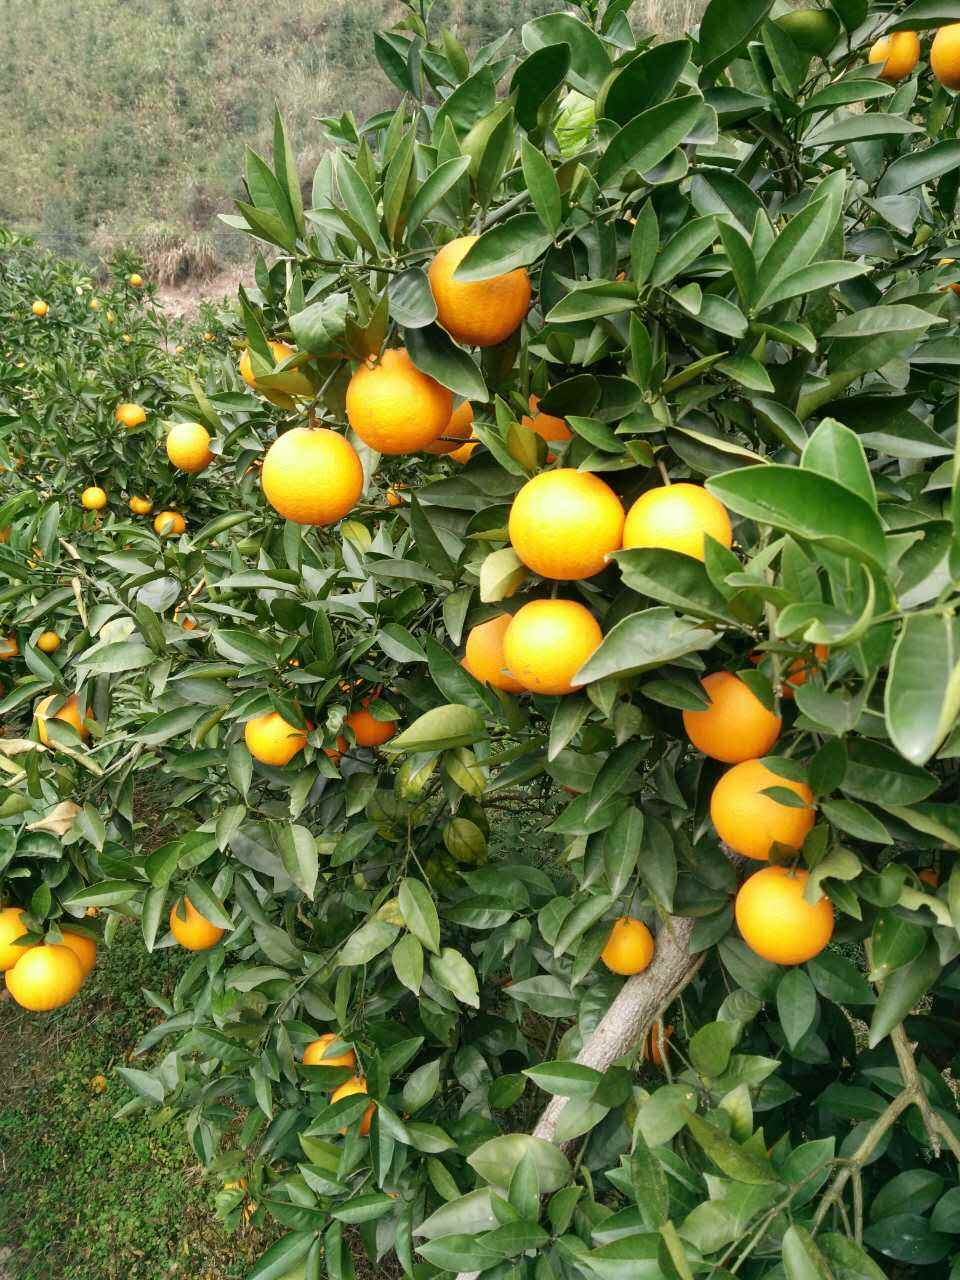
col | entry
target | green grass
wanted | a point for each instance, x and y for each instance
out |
(86, 1196)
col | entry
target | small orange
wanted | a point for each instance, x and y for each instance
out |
(459, 428)
(629, 949)
(273, 740)
(776, 921)
(8, 647)
(483, 655)
(188, 447)
(93, 498)
(394, 407)
(367, 730)
(335, 753)
(312, 476)
(929, 876)
(547, 642)
(900, 53)
(195, 933)
(750, 822)
(68, 712)
(169, 523)
(40, 308)
(465, 452)
(393, 498)
(948, 262)
(477, 313)
(675, 517)
(315, 1054)
(801, 668)
(563, 524)
(141, 506)
(11, 928)
(296, 382)
(45, 978)
(651, 1043)
(135, 281)
(131, 415)
(553, 430)
(347, 1090)
(48, 642)
(736, 726)
(84, 948)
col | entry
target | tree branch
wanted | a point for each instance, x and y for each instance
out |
(863, 1153)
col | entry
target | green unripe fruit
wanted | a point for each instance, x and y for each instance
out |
(812, 30)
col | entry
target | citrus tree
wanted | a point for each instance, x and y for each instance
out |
(604, 400)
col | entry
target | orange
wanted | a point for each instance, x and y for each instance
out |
(900, 53)
(11, 928)
(547, 643)
(801, 668)
(297, 382)
(8, 647)
(483, 655)
(464, 453)
(945, 55)
(460, 427)
(929, 876)
(273, 740)
(776, 922)
(135, 281)
(676, 516)
(40, 308)
(750, 822)
(315, 1054)
(335, 753)
(131, 415)
(651, 1043)
(141, 506)
(347, 1090)
(167, 523)
(546, 426)
(94, 304)
(48, 642)
(479, 313)
(393, 407)
(84, 948)
(563, 524)
(188, 447)
(629, 949)
(93, 498)
(68, 712)
(368, 731)
(393, 498)
(195, 933)
(948, 262)
(45, 978)
(736, 726)
(312, 476)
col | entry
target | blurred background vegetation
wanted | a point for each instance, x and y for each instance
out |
(125, 120)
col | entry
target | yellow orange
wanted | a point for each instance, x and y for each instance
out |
(93, 498)
(459, 428)
(676, 517)
(478, 313)
(68, 713)
(273, 740)
(168, 523)
(315, 1054)
(547, 642)
(135, 280)
(11, 928)
(751, 822)
(84, 948)
(393, 498)
(553, 430)
(347, 1090)
(900, 53)
(48, 642)
(141, 506)
(465, 452)
(188, 447)
(736, 726)
(563, 524)
(483, 655)
(40, 308)
(195, 933)
(629, 948)
(45, 978)
(296, 382)
(777, 922)
(131, 415)
(368, 730)
(945, 55)
(393, 407)
(801, 668)
(312, 476)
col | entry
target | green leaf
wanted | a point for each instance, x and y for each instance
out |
(649, 137)
(802, 1260)
(420, 913)
(453, 725)
(496, 1160)
(735, 1161)
(456, 974)
(280, 1259)
(725, 28)
(643, 641)
(566, 1079)
(589, 60)
(435, 353)
(710, 1048)
(515, 242)
(674, 579)
(836, 452)
(367, 942)
(796, 1005)
(542, 184)
(917, 168)
(903, 990)
(536, 78)
(407, 958)
(922, 694)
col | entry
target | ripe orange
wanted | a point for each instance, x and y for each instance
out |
(948, 262)
(393, 498)
(297, 382)
(40, 308)
(168, 523)
(776, 922)
(563, 524)
(347, 1090)
(483, 656)
(135, 281)
(48, 642)
(93, 498)
(929, 876)
(651, 1044)
(195, 933)
(801, 668)
(312, 476)
(315, 1054)
(676, 517)
(736, 726)
(547, 643)
(945, 56)
(335, 753)
(367, 730)
(68, 712)
(465, 452)
(551, 429)
(480, 313)
(8, 647)
(45, 978)
(94, 304)
(750, 822)
(11, 928)
(900, 53)
(460, 427)
(629, 949)
(393, 407)
(131, 415)
(84, 948)
(273, 740)
(188, 447)
(141, 506)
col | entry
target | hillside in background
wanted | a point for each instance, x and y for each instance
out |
(125, 120)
